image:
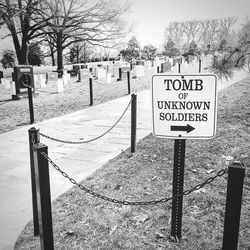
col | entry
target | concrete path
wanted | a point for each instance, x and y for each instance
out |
(79, 161)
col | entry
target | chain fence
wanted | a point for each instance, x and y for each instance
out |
(68, 90)
(133, 203)
(91, 140)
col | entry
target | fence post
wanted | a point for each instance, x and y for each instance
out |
(236, 174)
(31, 105)
(33, 139)
(133, 121)
(128, 76)
(179, 67)
(43, 196)
(199, 65)
(91, 91)
(120, 74)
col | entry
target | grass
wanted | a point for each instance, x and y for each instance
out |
(48, 103)
(83, 222)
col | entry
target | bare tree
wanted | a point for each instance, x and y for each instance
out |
(191, 30)
(174, 32)
(19, 18)
(225, 27)
(96, 22)
(209, 28)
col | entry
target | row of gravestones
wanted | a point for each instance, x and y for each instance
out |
(109, 71)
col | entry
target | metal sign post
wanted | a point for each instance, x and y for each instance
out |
(178, 182)
(184, 106)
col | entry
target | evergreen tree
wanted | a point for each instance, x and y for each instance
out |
(170, 50)
(8, 59)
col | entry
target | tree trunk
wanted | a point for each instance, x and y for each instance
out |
(52, 56)
(59, 54)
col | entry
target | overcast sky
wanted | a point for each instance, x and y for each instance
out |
(151, 17)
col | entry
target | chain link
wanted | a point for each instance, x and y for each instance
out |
(87, 141)
(133, 203)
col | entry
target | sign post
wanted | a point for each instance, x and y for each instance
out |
(184, 107)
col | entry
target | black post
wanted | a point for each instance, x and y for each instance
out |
(158, 69)
(199, 65)
(179, 67)
(120, 74)
(236, 174)
(43, 196)
(178, 181)
(31, 105)
(133, 121)
(91, 91)
(33, 139)
(128, 76)
(161, 67)
(79, 75)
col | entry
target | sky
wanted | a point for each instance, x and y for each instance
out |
(151, 17)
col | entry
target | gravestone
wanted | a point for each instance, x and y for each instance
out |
(139, 71)
(52, 77)
(101, 73)
(166, 66)
(60, 85)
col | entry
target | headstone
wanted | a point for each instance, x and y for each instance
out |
(13, 88)
(101, 73)
(6, 83)
(52, 76)
(139, 71)
(108, 77)
(42, 80)
(60, 85)
(166, 66)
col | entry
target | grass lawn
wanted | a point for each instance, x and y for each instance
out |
(81, 221)
(48, 103)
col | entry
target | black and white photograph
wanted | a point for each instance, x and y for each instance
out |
(124, 124)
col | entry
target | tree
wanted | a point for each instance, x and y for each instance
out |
(209, 29)
(148, 52)
(191, 30)
(174, 31)
(170, 50)
(132, 52)
(35, 54)
(193, 49)
(19, 16)
(96, 22)
(80, 52)
(8, 59)
(225, 28)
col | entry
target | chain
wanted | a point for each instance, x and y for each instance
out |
(87, 141)
(132, 203)
(80, 85)
(100, 83)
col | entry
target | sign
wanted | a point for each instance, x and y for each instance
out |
(26, 80)
(184, 106)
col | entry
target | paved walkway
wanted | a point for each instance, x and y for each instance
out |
(79, 161)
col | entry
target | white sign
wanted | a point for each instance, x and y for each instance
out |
(184, 106)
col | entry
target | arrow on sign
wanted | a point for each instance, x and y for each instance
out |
(187, 128)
